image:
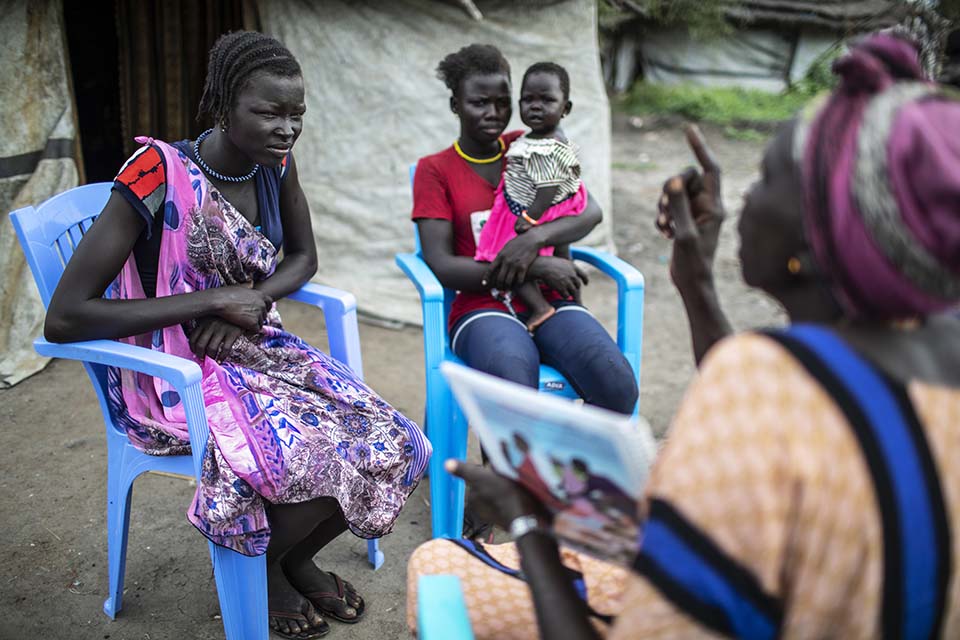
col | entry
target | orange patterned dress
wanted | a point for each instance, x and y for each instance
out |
(771, 514)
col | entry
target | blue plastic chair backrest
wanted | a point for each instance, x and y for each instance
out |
(416, 230)
(50, 233)
(448, 294)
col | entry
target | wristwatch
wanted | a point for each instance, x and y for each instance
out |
(522, 525)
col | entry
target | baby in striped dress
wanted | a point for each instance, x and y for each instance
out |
(541, 181)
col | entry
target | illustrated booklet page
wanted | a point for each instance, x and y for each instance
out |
(587, 465)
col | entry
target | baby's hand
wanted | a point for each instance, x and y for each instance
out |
(521, 226)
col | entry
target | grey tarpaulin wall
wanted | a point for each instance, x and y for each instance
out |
(37, 160)
(766, 59)
(374, 105)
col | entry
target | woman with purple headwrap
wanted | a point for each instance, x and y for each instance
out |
(808, 486)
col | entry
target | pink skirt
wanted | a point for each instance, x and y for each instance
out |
(498, 229)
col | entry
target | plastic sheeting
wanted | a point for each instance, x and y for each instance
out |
(374, 106)
(36, 162)
(761, 59)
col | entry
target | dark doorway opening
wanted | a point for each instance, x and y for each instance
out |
(92, 43)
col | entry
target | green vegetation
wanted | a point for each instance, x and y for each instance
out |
(704, 18)
(741, 112)
(724, 106)
(634, 166)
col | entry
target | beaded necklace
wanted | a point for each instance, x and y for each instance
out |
(456, 147)
(217, 174)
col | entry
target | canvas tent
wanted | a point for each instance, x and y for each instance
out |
(38, 158)
(771, 46)
(374, 106)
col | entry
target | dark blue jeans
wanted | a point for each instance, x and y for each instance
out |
(571, 341)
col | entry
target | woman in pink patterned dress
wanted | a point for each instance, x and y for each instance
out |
(300, 448)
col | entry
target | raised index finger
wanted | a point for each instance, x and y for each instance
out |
(702, 151)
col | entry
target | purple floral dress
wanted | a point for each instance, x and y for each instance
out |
(288, 423)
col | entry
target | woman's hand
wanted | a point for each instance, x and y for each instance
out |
(561, 611)
(495, 498)
(509, 269)
(560, 274)
(243, 306)
(214, 337)
(691, 212)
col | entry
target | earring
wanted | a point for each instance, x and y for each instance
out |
(223, 126)
(794, 266)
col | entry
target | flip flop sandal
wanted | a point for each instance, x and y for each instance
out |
(317, 632)
(317, 597)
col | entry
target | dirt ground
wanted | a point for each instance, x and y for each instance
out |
(52, 455)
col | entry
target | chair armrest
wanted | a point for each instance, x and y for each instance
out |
(422, 276)
(340, 314)
(333, 301)
(178, 371)
(630, 286)
(185, 376)
(441, 610)
(625, 274)
(435, 346)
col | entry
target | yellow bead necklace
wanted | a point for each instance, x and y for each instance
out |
(456, 147)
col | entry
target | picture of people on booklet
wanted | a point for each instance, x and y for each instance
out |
(589, 511)
(585, 465)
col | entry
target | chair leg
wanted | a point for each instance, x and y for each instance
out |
(446, 491)
(438, 412)
(119, 486)
(242, 590)
(374, 555)
(458, 449)
(426, 432)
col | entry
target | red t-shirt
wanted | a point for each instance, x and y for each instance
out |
(446, 188)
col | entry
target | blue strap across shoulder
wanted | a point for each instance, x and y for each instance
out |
(703, 581)
(725, 596)
(916, 535)
(478, 551)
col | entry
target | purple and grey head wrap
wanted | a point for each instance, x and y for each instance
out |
(880, 159)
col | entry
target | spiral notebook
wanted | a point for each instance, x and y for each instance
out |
(587, 465)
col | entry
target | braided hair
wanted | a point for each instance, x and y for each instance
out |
(555, 69)
(474, 59)
(234, 57)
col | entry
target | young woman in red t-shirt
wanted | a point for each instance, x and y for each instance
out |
(453, 193)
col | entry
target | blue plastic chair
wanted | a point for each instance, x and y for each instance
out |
(444, 422)
(49, 234)
(441, 610)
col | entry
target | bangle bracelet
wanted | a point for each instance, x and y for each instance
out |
(529, 219)
(522, 525)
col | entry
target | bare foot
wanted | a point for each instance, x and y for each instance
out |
(291, 615)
